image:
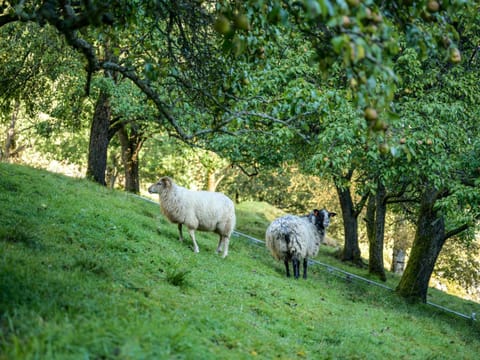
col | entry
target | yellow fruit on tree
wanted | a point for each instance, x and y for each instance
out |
(241, 22)
(222, 25)
(371, 114)
(455, 56)
(433, 6)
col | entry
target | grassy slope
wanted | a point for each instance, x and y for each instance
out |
(88, 273)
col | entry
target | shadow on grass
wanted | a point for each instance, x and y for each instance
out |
(20, 233)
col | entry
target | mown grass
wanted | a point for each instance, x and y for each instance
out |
(90, 273)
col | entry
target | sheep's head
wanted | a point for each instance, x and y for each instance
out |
(163, 184)
(322, 218)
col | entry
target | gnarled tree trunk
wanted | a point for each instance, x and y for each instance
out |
(131, 142)
(375, 218)
(99, 140)
(351, 250)
(429, 240)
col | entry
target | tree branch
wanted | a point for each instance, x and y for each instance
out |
(7, 19)
(145, 87)
(361, 203)
(456, 231)
(271, 119)
(243, 170)
(88, 51)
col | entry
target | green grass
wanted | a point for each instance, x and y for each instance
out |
(90, 273)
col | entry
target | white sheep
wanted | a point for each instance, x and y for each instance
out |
(198, 210)
(297, 238)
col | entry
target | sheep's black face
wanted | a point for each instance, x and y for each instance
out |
(322, 218)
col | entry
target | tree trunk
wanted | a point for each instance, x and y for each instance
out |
(112, 169)
(376, 212)
(99, 140)
(10, 141)
(213, 180)
(429, 239)
(398, 260)
(400, 244)
(131, 142)
(370, 219)
(351, 250)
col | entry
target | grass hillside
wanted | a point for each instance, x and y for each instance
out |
(90, 273)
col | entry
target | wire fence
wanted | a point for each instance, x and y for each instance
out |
(349, 276)
(342, 273)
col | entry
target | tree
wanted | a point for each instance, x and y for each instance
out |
(99, 138)
(375, 219)
(179, 33)
(441, 139)
(350, 213)
(34, 70)
(11, 149)
(445, 179)
(430, 237)
(131, 140)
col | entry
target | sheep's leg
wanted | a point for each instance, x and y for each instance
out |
(192, 235)
(296, 268)
(286, 267)
(180, 232)
(220, 243)
(305, 264)
(226, 241)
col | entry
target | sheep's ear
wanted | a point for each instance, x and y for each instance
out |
(332, 214)
(166, 182)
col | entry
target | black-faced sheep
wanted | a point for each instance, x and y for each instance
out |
(297, 238)
(198, 210)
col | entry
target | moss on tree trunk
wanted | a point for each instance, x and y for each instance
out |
(429, 239)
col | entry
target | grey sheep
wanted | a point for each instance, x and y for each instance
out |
(296, 238)
(198, 210)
